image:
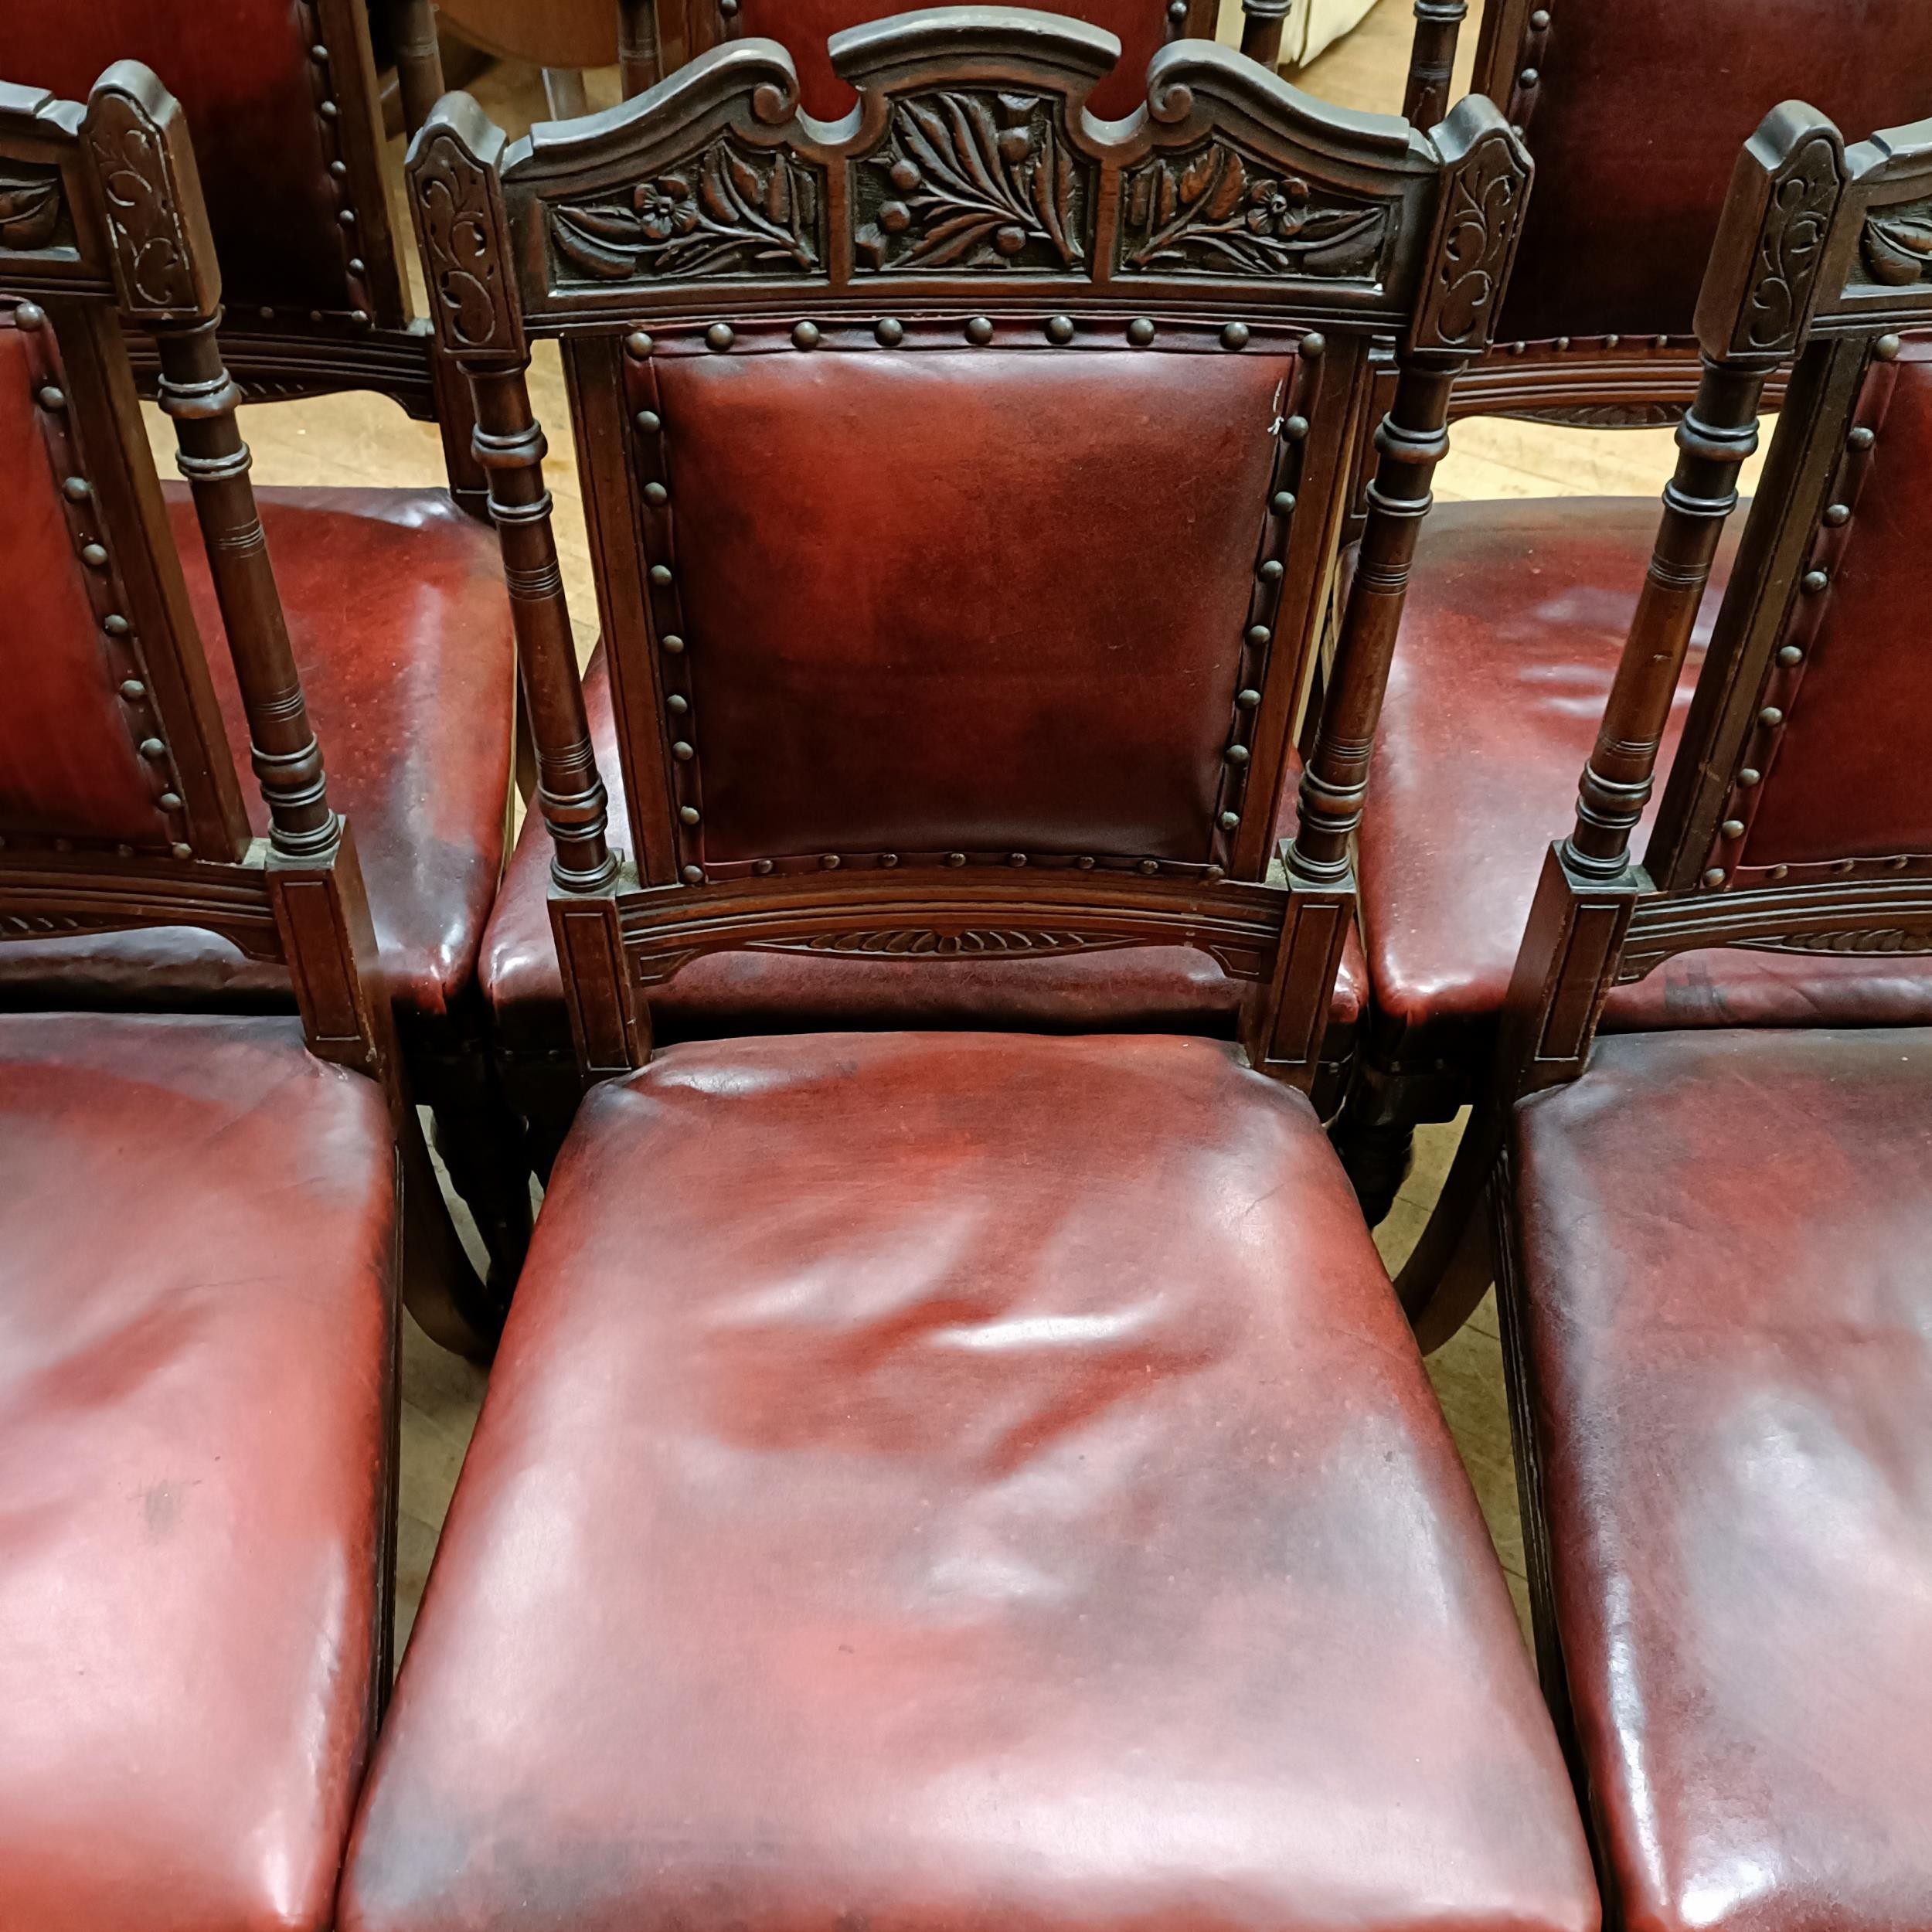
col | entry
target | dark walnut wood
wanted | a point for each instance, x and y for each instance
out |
(1791, 275)
(967, 204)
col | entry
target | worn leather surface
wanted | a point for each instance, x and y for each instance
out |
(805, 26)
(396, 609)
(1724, 1239)
(1640, 109)
(69, 767)
(1848, 777)
(1515, 621)
(960, 1479)
(242, 72)
(1153, 988)
(923, 606)
(196, 1225)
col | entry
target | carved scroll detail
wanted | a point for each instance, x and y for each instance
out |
(462, 233)
(967, 180)
(30, 210)
(728, 210)
(144, 224)
(1481, 217)
(910, 942)
(1791, 247)
(1217, 211)
(1895, 249)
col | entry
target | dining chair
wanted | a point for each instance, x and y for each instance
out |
(200, 1240)
(951, 1476)
(1510, 644)
(392, 594)
(1712, 1242)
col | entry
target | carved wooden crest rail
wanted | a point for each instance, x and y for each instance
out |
(969, 201)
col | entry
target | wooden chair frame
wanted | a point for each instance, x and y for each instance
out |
(504, 256)
(121, 241)
(1790, 276)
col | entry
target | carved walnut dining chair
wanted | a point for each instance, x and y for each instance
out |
(1248, 220)
(392, 594)
(1717, 1298)
(199, 1214)
(914, 1477)
(1509, 647)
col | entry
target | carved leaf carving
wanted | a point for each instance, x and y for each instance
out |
(912, 942)
(458, 228)
(1791, 247)
(1484, 204)
(726, 211)
(1884, 939)
(29, 210)
(971, 181)
(1896, 249)
(143, 222)
(1217, 211)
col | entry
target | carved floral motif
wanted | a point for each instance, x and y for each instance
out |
(458, 230)
(29, 210)
(970, 181)
(1791, 247)
(1484, 211)
(143, 224)
(1217, 212)
(1895, 249)
(727, 211)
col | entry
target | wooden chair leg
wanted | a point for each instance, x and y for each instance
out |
(439, 1288)
(1376, 1160)
(565, 93)
(1453, 1264)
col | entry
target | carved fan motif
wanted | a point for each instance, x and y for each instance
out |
(970, 181)
(1896, 246)
(1215, 211)
(922, 942)
(727, 211)
(29, 210)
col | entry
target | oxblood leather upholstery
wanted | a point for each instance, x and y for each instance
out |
(1156, 988)
(1641, 109)
(921, 608)
(1724, 1240)
(1515, 621)
(805, 26)
(395, 608)
(960, 1479)
(197, 1222)
(247, 86)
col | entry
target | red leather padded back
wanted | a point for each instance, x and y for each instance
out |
(69, 764)
(1849, 775)
(242, 72)
(1640, 109)
(803, 26)
(980, 599)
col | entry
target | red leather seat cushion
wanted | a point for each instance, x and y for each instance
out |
(1157, 989)
(1510, 641)
(960, 1479)
(1725, 1238)
(401, 628)
(196, 1228)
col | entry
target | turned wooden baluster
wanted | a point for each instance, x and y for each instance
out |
(1432, 60)
(1261, 24)
(419, 60)
(638, 57)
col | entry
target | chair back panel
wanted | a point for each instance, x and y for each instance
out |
(273, 93)
(76, 711)
(985, 600)
(803, 27)
(1844, 740)
(1635, 110)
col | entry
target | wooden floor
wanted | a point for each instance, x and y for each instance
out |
(359, 440)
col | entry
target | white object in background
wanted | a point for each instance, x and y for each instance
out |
(1313, 25)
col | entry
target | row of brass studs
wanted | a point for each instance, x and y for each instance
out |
(1522, 98)
(679, 724)
(1565, 345)
(103, 586)
(1786, 670)
(330, 116)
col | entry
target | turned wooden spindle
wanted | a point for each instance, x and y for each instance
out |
(418, 61)
(1261, 24)
(1432, 60)
(638, 64)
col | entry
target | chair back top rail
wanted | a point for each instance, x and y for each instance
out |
(1795, 816)
(875, 420)
(120, 805)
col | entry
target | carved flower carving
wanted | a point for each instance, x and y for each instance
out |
(665, 208)
(1897, 247)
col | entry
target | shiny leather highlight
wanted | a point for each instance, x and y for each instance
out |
(1515, 622)
(958, 1480)
(875, 550)
(1641, 106)
(197, 1222)
(396, 609)
(1724, 1240)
